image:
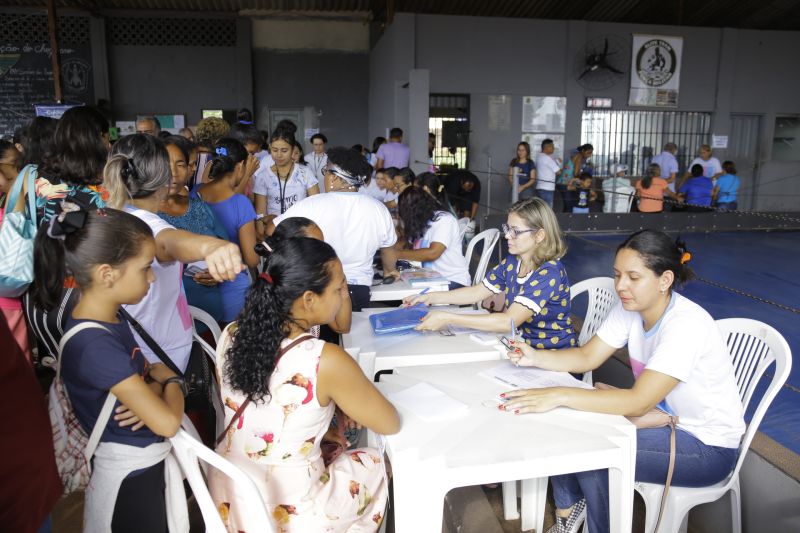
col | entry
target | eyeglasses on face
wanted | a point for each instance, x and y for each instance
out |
(515, 232)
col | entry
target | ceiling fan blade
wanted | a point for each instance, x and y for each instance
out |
(605, 48)
(612, 69)
(585, 72)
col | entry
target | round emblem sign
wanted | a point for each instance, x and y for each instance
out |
(655, 62)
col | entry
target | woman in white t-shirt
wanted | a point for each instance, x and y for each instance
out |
(137, 177)
(681, 365)
(433, 236)
(280, 186)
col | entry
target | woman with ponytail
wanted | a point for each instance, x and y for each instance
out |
(280, 387)
(137, 177)
(651, 190)
(109, 254)
(431, 184)
(680, 364)
(235, 214)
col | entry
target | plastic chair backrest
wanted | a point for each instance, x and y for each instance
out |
(207, 320)
(602, 297)
(491, 236)
(630, 203)
(463, 224)
(187, 451)
(753, 347)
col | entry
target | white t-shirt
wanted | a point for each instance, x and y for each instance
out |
(355, 224)
(382, 195)
(264, 158)
(316, 164)
(546, 168)
(164, 312)
(291, 191)
(617, 199)
(668, 164)
(451, 264)
(710, 167)
(687, 345)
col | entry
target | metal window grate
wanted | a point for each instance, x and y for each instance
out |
(32, 28)
(633, 137)
(166, 31)
(452, 141)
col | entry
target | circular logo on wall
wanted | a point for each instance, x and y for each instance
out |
(75, 75)
(656, 62)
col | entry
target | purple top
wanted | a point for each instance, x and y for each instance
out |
(394, 154)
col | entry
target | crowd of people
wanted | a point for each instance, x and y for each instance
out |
(279, 249)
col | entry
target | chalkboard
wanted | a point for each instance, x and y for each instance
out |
(26, 79)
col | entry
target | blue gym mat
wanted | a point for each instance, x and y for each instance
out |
(762, 264)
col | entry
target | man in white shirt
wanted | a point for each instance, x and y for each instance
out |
(617, 191)
(546, 168)
(318, 159)
(668, 164)
(355, 225)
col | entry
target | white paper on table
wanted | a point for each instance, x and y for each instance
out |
(428, 402)
(530, 377)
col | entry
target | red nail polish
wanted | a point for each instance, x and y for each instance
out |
(517, 350)
(501, 407)
(516, 412)
(503, 395)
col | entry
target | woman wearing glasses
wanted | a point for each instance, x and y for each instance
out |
(532, 279)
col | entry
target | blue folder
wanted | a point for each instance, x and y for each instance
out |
(398, 320)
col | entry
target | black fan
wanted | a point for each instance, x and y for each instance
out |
(601, 62)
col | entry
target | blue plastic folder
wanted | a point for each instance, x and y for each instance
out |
(398, 320)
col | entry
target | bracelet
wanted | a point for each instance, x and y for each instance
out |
(179, 380)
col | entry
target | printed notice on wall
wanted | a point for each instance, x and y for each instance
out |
(541, 114)
(655, 70)
(499, 112)
(719, 141)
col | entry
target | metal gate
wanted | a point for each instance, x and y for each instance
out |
(633, 137)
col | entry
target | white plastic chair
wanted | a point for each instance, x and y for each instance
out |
(490, 238)
(753, 346)
(463, 224)
(187, 451)
(602, 297)
(207, 320)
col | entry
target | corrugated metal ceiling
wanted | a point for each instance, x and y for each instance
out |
(756, 14)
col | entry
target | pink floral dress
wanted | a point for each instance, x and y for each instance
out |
(277, 443)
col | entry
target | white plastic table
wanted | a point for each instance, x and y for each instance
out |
(399, 290)
(375, 353)
(486, 445)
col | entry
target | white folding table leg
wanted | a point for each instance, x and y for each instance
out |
(510, 510)
(533, 502)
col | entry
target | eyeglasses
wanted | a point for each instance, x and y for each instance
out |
(514, 232)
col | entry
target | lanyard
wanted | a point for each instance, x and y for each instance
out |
(282, 190)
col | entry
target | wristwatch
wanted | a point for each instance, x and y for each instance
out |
(179, 380)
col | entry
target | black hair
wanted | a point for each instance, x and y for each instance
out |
(163, 134)
(287, 125)
(297, 265)
(350, 161)
(585, 147)
(377, 142)
(319, 136)
(660, 253)
(546, 142)
(181, 143)
(697, 170)
(284, 132)
(79, 152)
(287, 229)
(431, 183)
(358, 148)
(37, 138)
(395, 133)
(228, 152)
(244, 114)
(5, 146)
(301, 160)
(246, 133)
(138, 168)
(390, 172)
(406, 175)
(527, 147)
(416, 210)
(108, 237)
(729, 167)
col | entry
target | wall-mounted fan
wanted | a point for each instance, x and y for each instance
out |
(602, 62)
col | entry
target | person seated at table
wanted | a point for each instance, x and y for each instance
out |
(355, 224)
(433, 235)
(280, 387)
(304, 227)
(696, 193)
(404, 179)
(681, 364)
(532, 279)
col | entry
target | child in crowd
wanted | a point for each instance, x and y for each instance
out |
(281, 386)
(681, 364)
(582, 193)
(235, 214)
(532, 278)
(726, 188)
(696, 192)
(433, 235)
(109, 253)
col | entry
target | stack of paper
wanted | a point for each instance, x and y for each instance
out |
(423, 277)
(428, 403)
(520, 377)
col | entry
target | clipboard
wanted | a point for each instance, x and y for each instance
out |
(398, 320)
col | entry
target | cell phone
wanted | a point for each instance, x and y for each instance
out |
(192, 271)
(506, 342)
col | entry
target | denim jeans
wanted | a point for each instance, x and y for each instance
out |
(696, 465)
(547, 196)
(359, 296)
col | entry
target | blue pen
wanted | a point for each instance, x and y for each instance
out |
(426, 289)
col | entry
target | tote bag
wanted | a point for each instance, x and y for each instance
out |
(17, 233)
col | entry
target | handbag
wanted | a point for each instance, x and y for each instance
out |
(73, 448)
(17, 234)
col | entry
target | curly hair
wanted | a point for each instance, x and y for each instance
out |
(79, 151)
(350, 161)
(417, 209)
(297, 265)
(210, 130)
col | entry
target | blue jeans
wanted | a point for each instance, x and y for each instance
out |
(547, 196)
(696, 465)
(455, 285)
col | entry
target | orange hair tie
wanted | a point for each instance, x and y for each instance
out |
(686, 257)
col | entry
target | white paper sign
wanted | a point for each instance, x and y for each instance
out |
(499, 112)
(544, 114)
(719, 141)
(655, 70)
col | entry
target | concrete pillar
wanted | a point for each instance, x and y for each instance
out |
(418, 112)
(244, 64)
